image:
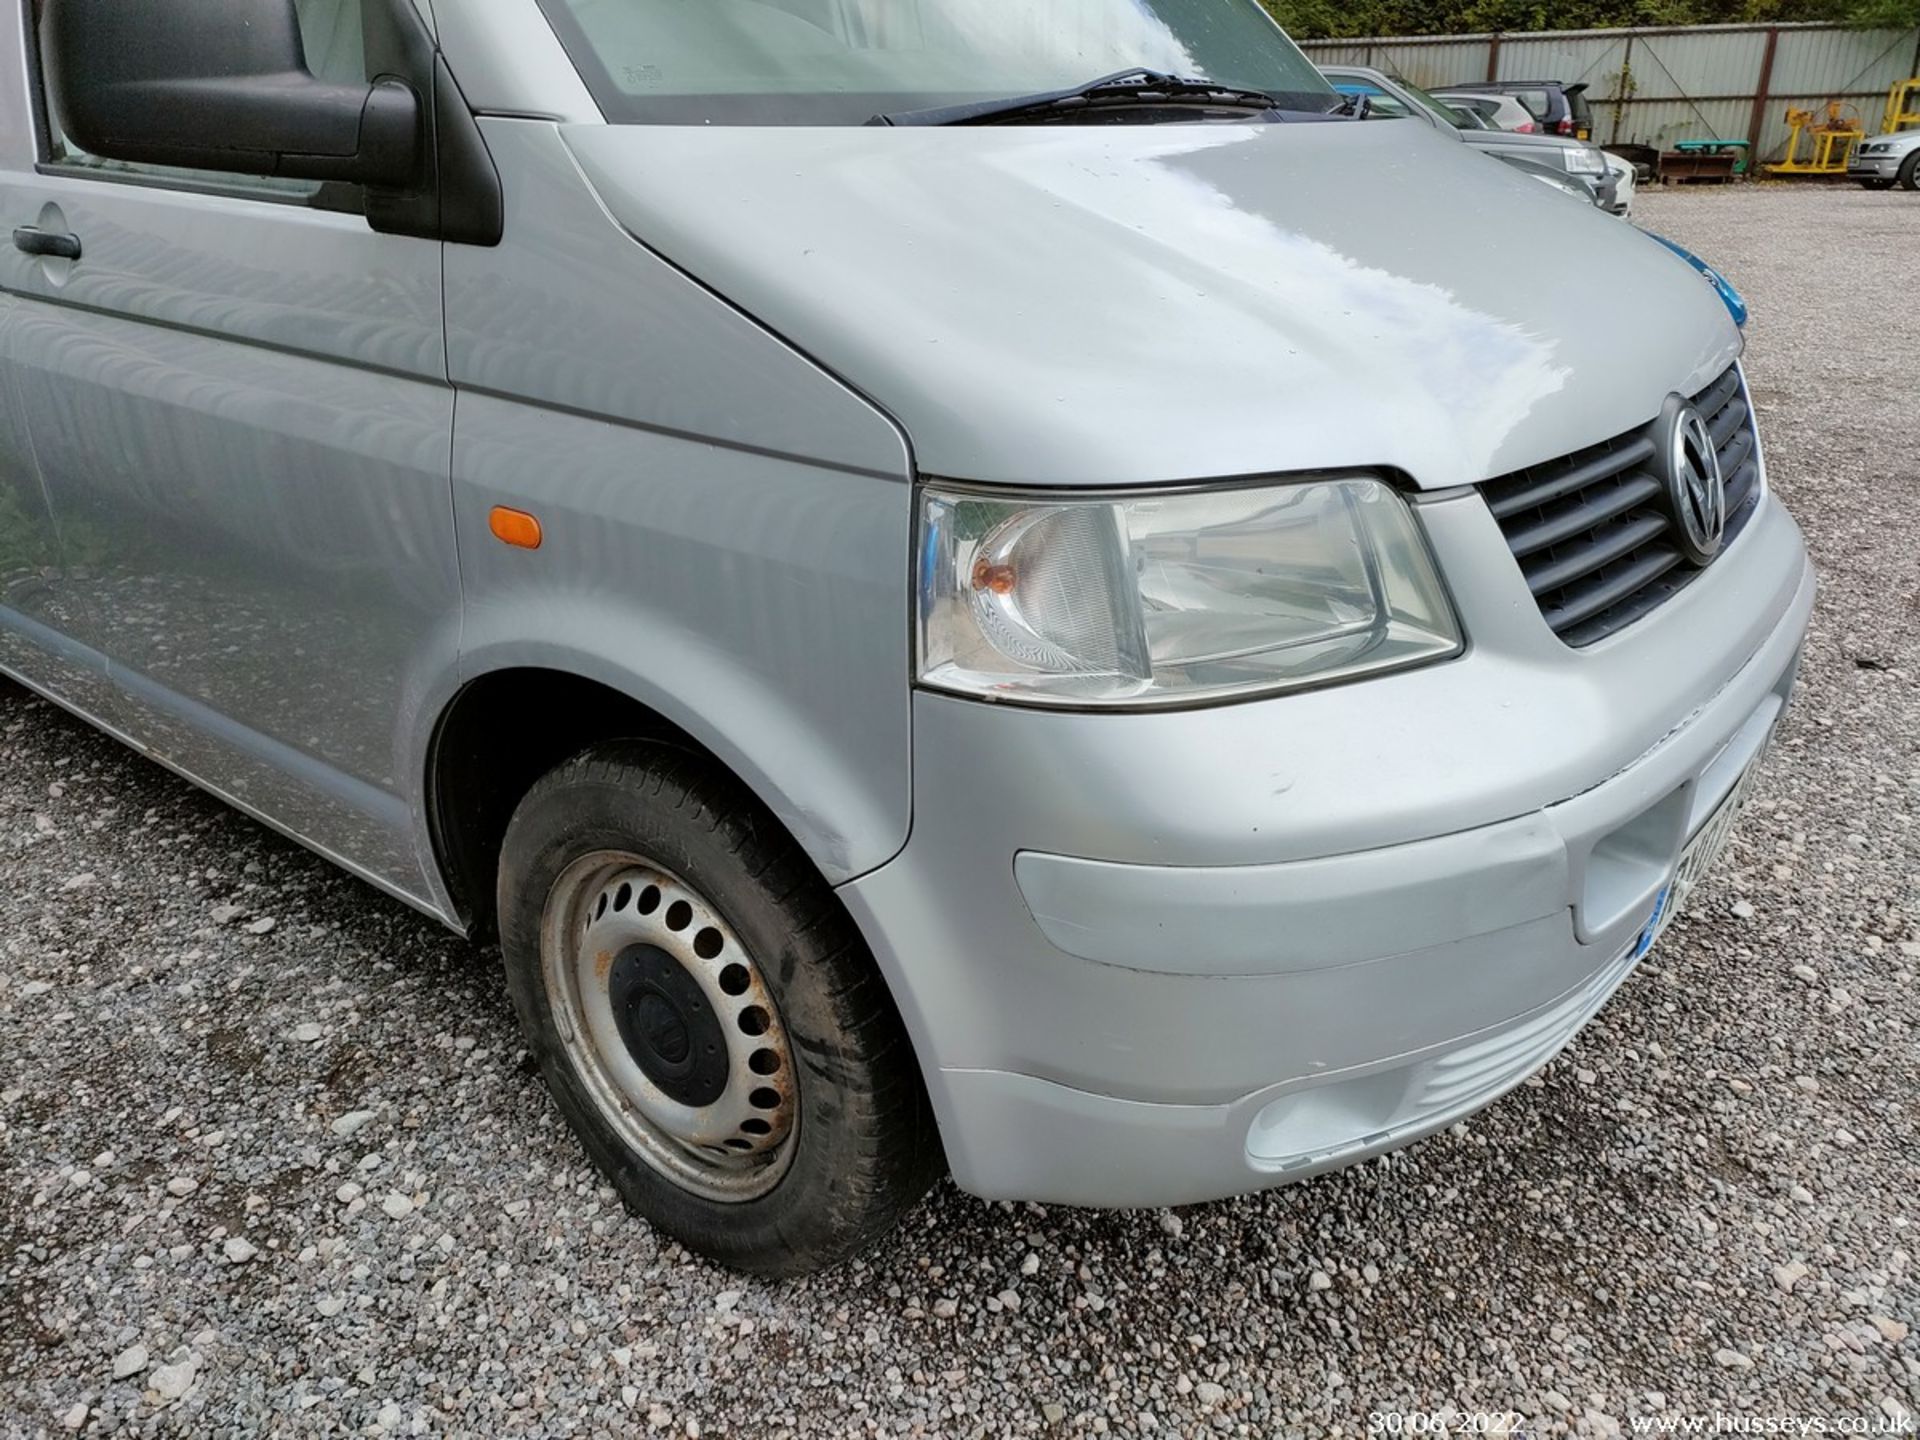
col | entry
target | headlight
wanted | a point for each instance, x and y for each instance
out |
(1162, 598)
(1586, 160)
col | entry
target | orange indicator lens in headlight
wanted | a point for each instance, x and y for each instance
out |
(998, 579)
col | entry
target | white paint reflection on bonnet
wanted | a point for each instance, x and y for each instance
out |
(1467, 378)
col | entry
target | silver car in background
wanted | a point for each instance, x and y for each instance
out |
(1390, 97)
(960, 585)
(1887, 160)
(1626, 183)
(1502, 112)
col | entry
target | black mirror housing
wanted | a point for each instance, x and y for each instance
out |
(221, 85)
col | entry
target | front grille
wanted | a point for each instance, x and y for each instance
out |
(1592, 532)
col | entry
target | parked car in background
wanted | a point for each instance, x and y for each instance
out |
(1626, 180)
(1886, 161)
(1560, 109)
(1389, 97)
(1501, 112)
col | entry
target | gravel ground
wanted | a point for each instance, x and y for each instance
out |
(271, 1156)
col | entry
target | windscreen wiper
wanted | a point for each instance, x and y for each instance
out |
(1124, 89)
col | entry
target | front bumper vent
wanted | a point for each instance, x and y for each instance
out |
(1593, 532)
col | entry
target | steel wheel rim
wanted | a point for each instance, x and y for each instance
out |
(619, 1008)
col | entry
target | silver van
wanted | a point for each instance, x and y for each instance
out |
(957, 583)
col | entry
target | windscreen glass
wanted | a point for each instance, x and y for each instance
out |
(841, 62)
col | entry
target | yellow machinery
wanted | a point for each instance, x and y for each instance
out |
(1832, 141)
(1903, 106)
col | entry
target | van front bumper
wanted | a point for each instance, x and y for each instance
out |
(1154, 959)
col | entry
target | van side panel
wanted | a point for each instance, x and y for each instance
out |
(572, 312)
(727, 528)
(756, 603)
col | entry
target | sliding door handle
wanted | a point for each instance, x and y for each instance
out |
(35, 241)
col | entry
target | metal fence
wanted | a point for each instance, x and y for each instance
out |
(1656, 85)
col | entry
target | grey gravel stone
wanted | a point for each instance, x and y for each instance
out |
(170, 1382)
(1576, 1256)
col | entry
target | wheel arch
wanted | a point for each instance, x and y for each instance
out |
(506, 725)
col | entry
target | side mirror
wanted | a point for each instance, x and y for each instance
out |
(221, 85)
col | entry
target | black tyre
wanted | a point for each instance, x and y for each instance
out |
(1910, 172)
(706, 1016)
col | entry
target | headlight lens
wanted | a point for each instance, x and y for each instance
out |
(1173, 597)
(1586, 160)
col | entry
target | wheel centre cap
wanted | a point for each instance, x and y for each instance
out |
(668, 1025)
(662, 1028)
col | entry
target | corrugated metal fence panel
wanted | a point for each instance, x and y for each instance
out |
(1661, 122)
(1338, 52)
(1449, 63)
(1566, 58)
(1679, 84)
(1699, 65)
(1833, 62)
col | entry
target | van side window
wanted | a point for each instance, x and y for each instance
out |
(336, 50)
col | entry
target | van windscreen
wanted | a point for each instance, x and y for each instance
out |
(841, 62)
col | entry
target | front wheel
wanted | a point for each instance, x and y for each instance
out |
(705, 1015)
(1910, 172)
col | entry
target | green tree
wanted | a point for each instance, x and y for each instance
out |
(1892, 14)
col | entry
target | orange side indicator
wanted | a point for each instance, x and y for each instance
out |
(514, 527)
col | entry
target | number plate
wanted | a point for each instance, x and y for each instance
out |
(1700, 856)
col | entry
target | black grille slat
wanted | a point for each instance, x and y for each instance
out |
(1734, 453)
(1608, 546)
(1614, 588)
(1643, 602)
(1578, 477)
(1742, 486)
(1593, 508)
(1591, 531)
(1716, 396)
(1727, 422)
